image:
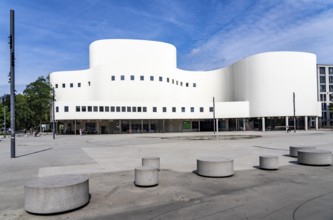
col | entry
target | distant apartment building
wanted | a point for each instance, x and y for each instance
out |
(325, 93)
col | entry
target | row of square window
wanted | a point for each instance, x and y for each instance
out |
(71, 85)
(152, 78)
(125, 109)
(322, 70)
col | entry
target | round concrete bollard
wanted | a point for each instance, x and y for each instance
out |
(146, 176)
(268, 162)
(151, 161)
(294, 149)
(315, 157)
(56, 194)
(215, 167)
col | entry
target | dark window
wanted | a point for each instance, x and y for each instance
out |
(122, 77)
(101, 108)
(139, 109)
(211, 109)
(322, 70)
(57, 109)
(322, 97)
(186, 84)
(322, 79)
(129, 109)
(183, 109)
(331, 90)
(84, 108)
(118, 109)
(164, 109)
(95, 108)
(78, 84)
(89, 109)
(144, 109)
(330, 79)
(330, 70)
(132, 77)
(56, 85)
(63, 85)
(89, 83)
(173, 81)
(142, 78)
(168, 80)
(133, 109)
(77, 108)
(322, 88)
(71, 85)
(161, 78)
(192, 109)
(123, 108)
(173, 109)
(177, 82)
(154, 109)
(66, 109)
(201, 109)
(112, 109)
(113, 78)
(194, 85)
(107, 108)
(151, 78)
(181, 83)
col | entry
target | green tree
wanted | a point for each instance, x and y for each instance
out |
(38, 99)
(23, 112)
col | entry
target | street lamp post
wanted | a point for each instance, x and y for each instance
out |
(53, 117)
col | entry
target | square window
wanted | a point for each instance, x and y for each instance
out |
(101, 108)
(164, 109)
(123, 108)
(132, 77)
(112, 108)
(201, 109)
(194, 85)
(154, 109)
(186, 84)
(63, 85)
(57, 109)
(173, 109)
(177, 82)
(192, 109)
(122, 77)
(118, 109)
(89, 109)
(129, 109)
(173, 81)
(183, 109)
(151, 78)
(56, 85)
(66, 109)
(77, 108)
(107, 108)
(71, 85)
(181, 83)
(84, 108)
(144, 109)
(133, 109)
(211, 109)
(95, 108)
(160, 78)
(79, 85)
(89, 83)
(142, 78)
(139, 109)
(168, 80)
(113, 78)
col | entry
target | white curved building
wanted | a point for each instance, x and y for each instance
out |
(135, 86)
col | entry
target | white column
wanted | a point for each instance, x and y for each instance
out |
(130, 126)
(263, 124)
(287, 123)
(244, 128)
(306, 123)
(227, 124)
(316, 123)
(217, 125)
(141, 126)
(199, 125)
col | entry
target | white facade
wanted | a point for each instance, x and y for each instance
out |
(139, 80)
(325, 92)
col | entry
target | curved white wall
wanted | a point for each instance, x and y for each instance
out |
(258, 86)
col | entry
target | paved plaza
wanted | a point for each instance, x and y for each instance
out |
(292, 192)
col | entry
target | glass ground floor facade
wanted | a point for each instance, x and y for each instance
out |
(184, 125)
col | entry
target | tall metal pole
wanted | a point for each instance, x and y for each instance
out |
(294, 112)
(4, 116)
(53, 117)
(12, 83)
(214, 114)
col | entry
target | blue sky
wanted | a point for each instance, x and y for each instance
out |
(54, 35)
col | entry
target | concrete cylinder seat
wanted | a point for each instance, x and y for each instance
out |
(146, 176)
(294, 149)
(315, 157)
(268, 162)
(56, 194)
(215, 167)
(151, 161)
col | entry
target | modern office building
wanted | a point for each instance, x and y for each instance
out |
(136, 86)
(325, 93)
